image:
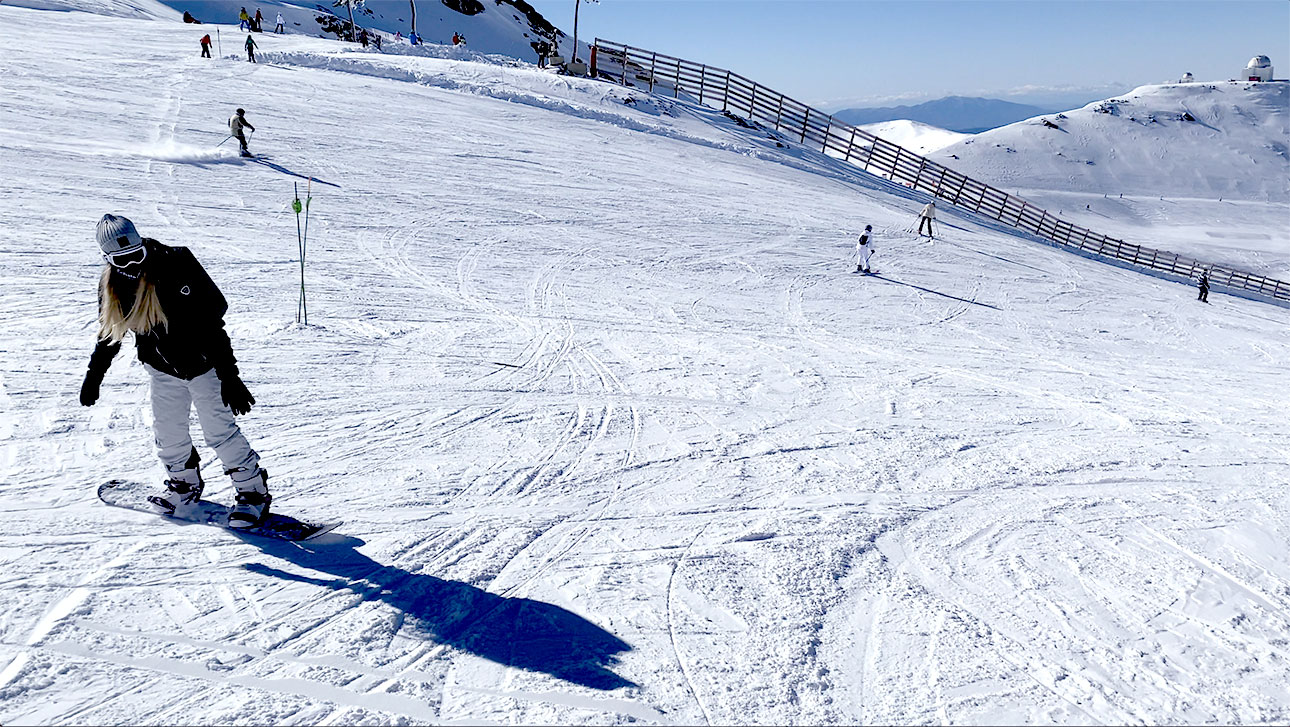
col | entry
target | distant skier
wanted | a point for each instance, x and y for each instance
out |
(925, 218)
(280, 28)
(362, 37)
(206, 45)
(259, 18)
(164, 297)
(188, 18)
(244, 21)
(456, 39)
(1203, 284)
(864, 250)
(236, 123)
(250, 48)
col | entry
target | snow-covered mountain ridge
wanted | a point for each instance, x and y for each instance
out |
(1205, 140)
(617, 434)
(914, 135)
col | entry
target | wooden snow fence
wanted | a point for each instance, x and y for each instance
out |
(741, 97)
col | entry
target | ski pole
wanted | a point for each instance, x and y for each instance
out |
(230, 136)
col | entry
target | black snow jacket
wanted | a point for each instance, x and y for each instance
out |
(193, 340)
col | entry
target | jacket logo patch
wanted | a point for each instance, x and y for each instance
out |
(184, 290)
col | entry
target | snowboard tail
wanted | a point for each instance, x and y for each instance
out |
(134, 496)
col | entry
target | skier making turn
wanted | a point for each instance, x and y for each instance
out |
(925, 218)
(864, 250)
(164, 296)
(236, 123)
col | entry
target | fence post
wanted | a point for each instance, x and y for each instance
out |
(752, 101)
(779, 112)
(703, 80)
(725, 96)
(851, 145)
(806, 119)
(959, 193)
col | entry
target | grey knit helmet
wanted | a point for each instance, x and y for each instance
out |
(117, 235)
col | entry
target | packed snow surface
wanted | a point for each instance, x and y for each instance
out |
(616, 433)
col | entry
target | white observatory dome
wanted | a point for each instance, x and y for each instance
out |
(1259, 62)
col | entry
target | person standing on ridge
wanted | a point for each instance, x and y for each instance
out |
(925, 218)
(206, 45)
(250, 48)
(258, 20)
(279, 28)
(164, 297)
(244, 21)
(864, 250)
(236, 123)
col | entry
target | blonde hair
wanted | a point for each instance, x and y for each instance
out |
(145, 315)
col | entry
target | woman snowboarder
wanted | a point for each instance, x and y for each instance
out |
(164, 296)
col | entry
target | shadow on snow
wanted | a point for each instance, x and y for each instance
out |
(284, 170)
(517, 632)
(933, 292)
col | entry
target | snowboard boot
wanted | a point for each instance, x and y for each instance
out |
(253, 498)
(183, 488)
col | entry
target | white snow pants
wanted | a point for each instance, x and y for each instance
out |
(172, 402)
(864, 254)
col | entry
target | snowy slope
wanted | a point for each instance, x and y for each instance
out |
(499, 29)
(616, 434)
(915, 135)
(1122, 165)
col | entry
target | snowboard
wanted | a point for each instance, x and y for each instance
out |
(134, 496)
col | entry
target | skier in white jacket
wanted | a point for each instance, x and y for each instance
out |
(864, 250)
(925, 218)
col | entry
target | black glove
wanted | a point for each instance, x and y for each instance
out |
(235, 394)
(90, 389)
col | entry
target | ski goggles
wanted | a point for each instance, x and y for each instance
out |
(128, 257)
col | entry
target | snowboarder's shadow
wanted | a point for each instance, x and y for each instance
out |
(517, 632)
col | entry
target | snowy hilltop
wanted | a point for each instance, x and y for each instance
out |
(1209, 140)
(614, 430)
(914, 135)
(1212, 158)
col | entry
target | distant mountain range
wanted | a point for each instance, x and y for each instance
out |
(955, 113)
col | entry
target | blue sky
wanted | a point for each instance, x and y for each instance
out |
(837, 53)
